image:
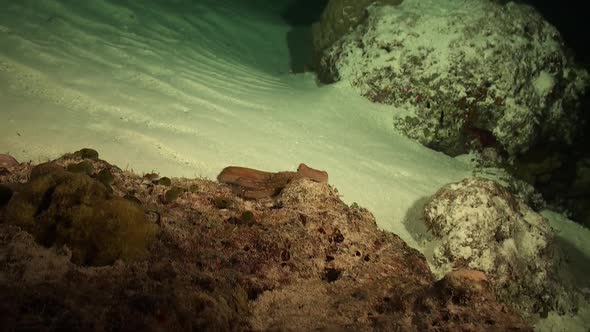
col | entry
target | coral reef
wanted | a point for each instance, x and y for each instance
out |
(492, 77)
(463, 75)
(300, 260)
(482, 226)
(338, 18)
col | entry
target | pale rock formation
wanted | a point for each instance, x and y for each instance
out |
(480, 225)
(462, 75)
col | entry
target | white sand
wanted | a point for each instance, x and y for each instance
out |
(186, 88)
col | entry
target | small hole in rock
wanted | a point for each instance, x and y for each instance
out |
(331, 274)
(285, 255)
(253, 293)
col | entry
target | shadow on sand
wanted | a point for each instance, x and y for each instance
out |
(300, 15)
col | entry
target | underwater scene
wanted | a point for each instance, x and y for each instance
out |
(294, 165)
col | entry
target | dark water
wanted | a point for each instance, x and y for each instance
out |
(571, 19)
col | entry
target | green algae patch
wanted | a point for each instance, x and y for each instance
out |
(131, 198)
(105, 177)
(46, 169)
(221, 202)
(86, 153)
(72, 209)
(165, 181)
(172, 194)
(247, 217)
(83, 167)
(194, 188)
(112, 229)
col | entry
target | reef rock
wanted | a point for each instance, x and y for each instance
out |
(60, 207)
(7, 161)
(463, 75)
(481, 226)
(300, 260)
(338, 18)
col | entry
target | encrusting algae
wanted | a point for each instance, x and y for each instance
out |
(60, 207)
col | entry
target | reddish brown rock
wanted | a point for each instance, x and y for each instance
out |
(8, 161)
(480, 225)
(338, 18)
(253, 184)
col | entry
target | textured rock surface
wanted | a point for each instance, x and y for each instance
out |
(7, 161)
(300, 261)
(338, 18)
(60, 207)
(481, 226)
(467, 74)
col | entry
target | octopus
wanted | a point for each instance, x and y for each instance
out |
(255, 184)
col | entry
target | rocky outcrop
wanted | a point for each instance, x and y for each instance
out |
(60, 207)
(338, 18)
(300, 260)
(7, 161)
(462, 75)
(481, 226)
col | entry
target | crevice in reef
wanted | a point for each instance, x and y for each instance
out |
(300, 15)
